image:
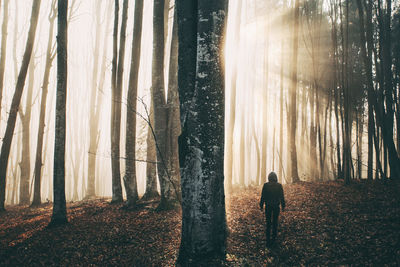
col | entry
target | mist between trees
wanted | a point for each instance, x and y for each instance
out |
(309, 89)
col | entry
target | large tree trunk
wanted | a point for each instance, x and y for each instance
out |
(3, 51)
(201, 90)
(292, 99)
(39, 146)
(59, 206)
(25, 164)
(5, 148)
(130, 145)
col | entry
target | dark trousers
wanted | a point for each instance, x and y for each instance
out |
(271, 216)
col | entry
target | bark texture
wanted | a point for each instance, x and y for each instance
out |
(201, 27)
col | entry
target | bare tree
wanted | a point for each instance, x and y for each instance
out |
(173, 116)
(39, 147)
(59, 206)
(25, 164)
(151, 158)
(167, 185)
(292, 98)
(130, 145)
(8, 136)
(117, 75)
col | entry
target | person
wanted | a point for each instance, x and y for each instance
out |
(272, 196)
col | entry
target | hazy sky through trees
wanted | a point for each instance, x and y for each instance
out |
(261, 31)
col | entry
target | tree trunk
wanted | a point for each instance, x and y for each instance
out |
(95, 102)
(242, 152)
(151, 158)
(117, 75)
(201, 90)
(173, 123)
(265, 128)
(168, 194)
(292, 100)
(280, 174)
(130, 145)
(25, 164)
(39, 147)
(59, 206)
(232, 103)
(5, 149)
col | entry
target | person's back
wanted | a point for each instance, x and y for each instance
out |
(272, 196)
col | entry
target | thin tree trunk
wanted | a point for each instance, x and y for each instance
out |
(232, 103)
(95, 100)
(5, 148)
(39, 147)
(281, 97)
(25, 164)
(59, 205)
(130, 145)
(242, 153)
(151, 158)
(168, 194)
(292, 100)
(173, 124)
(117, 75)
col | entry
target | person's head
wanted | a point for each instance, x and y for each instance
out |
(272, 177)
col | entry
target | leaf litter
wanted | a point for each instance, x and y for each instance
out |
(325, 223)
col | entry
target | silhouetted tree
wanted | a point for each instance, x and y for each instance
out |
(39, 145)
(8, 136)
(130, 145)
(59, 206)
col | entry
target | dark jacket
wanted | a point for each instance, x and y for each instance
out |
(272, 195)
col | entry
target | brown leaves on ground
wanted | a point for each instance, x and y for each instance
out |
(324, 224)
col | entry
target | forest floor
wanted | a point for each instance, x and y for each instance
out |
(325, 223)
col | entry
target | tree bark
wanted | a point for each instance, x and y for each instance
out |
(201, 90)
(130, 145)
(5, 148)
(59, 205)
